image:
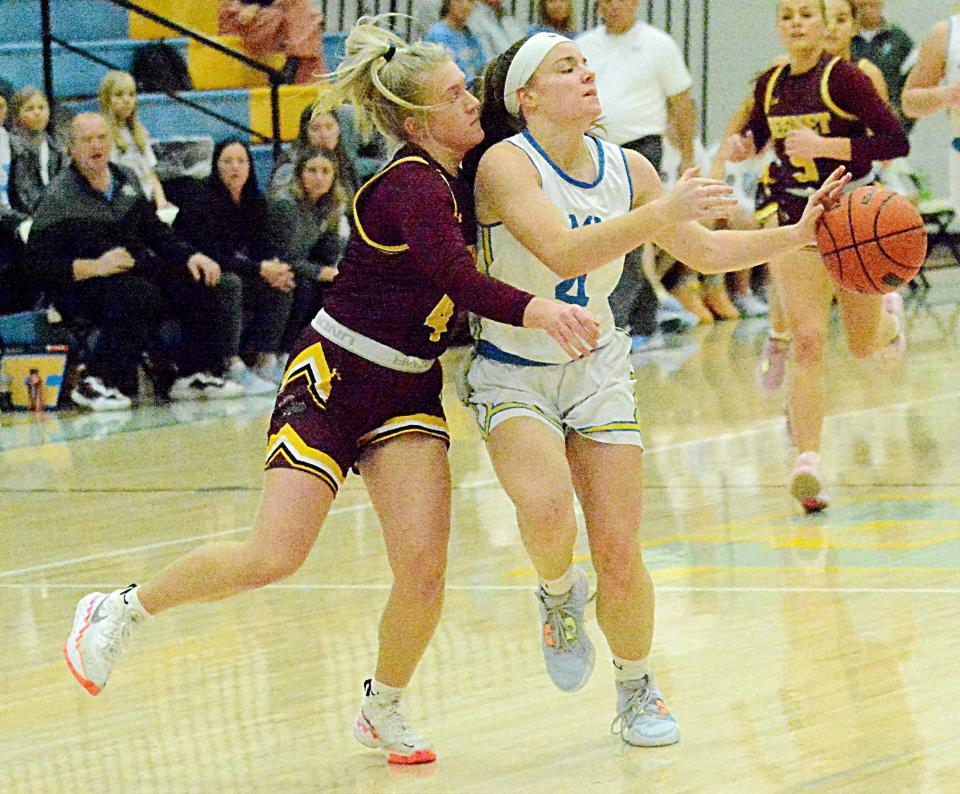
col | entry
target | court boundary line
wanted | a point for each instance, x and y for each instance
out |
(763, 426)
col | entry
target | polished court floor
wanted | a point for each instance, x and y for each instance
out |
(799, 653)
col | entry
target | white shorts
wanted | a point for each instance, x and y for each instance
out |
(594, 397)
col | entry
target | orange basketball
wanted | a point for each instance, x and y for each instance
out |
(873, 241)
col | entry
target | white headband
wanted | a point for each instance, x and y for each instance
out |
(525, 63)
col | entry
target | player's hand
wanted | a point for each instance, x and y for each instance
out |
(826, 198)
(203, 267)
(695, 198)
(573, 327)
(738, 148)
(115, 261)
(803, 144)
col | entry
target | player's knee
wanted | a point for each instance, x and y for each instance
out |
(273, 567)
(543, 508)
(425, 573)
(808, 346)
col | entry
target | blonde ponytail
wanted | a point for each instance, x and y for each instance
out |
(382, 76)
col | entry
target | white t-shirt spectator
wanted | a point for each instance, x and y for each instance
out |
(636, 72)
(141, 163)
(495, 35)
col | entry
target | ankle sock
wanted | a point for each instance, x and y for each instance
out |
(558, 587)
(629, 669)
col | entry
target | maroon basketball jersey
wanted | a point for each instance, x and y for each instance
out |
(834, 99)
(407, 264)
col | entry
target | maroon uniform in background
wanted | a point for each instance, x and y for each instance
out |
(406, 267)
(834, 99)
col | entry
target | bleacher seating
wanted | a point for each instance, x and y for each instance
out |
(73, 75)
(20, 20)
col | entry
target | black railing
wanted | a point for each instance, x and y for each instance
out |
(274, 76)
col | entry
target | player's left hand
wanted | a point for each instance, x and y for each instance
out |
(827, 197)
(803, 144)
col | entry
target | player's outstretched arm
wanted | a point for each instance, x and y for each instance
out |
(508, 191)
(725, 251)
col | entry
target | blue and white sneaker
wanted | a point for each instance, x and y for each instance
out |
(643, 718)
(567, 650)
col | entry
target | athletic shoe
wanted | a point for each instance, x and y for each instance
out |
(102, 626)
(672, 317)
(567, 650)
(641, 344)
(381, 725)
(92, 393)
(772, 367)
(272, 372)
(806, 483)
(643, 718)
(749, 305)
(204, 386)
(251, 383)
(893, 305)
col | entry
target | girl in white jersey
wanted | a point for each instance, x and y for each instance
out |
(558, 210)
(934, 85)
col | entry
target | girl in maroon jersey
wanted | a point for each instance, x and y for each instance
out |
(820, 111)
(362, 387)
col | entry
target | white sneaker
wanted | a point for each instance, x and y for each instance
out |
(272, 372)
(252, 383)
(567, 650)
(893, 305)
(381, 725)
(93, 393)
(102, 625)
(643, 718)
(204, 386)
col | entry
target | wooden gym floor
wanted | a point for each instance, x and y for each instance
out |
(798, 653)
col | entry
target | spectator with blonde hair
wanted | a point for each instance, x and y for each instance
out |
(132, 146)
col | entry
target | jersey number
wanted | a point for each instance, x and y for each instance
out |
(573, 290)
(439, 318)
(808, 170)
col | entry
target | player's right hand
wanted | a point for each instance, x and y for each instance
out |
(574, 328)
(695, 198)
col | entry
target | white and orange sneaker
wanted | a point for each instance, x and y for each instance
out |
(102, 625)
(893, 305)
(806, 483)
(380, 725)
(643, 718)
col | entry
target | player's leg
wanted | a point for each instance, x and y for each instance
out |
(872, 323)
(548, 527)
(607, 478)
(292, 509)
(408, 479)
(806, 296)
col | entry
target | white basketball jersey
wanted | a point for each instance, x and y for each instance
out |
(609, 196)
(951, 76)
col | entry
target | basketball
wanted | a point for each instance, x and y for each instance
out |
(872, 241)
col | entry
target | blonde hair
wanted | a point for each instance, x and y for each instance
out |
(112, 81)
(382, 77)
(22, 98)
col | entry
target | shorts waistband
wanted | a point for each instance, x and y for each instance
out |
(367, 348)
(491, 351)
(805, 192)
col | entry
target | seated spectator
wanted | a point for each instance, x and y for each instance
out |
(132, 147)
(452, 32)
(226, 218)
(36, 158)
(304, 221)
(291, 27)
(319, 134)
(554, 16)
(494, 28)
(6, 236)
(105, 258)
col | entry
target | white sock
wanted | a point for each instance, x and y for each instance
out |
(629, 669)
(131, 599)
(558, 587)
(373, 690)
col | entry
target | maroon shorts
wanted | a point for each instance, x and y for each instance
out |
(332, 405)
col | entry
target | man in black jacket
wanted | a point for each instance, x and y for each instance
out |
(887, 47)
(101, 254)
